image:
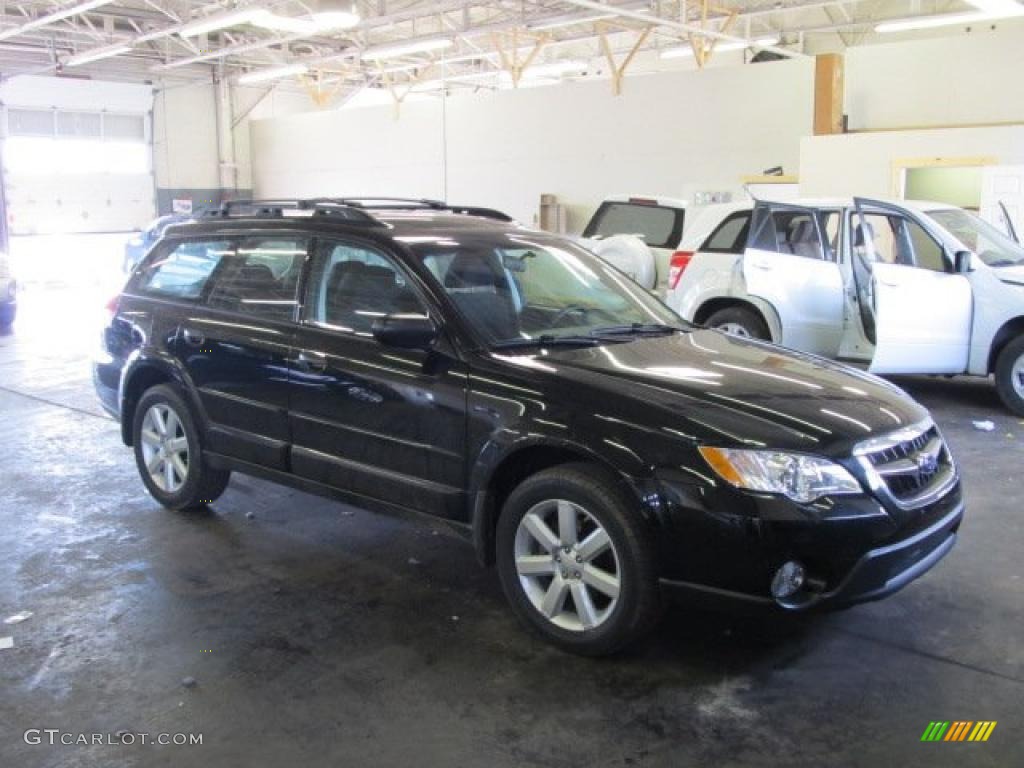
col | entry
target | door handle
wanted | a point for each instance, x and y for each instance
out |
(761, 264)
(311, 361)
(194, 338)
(892, 282)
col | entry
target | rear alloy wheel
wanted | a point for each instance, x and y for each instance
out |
(1010, 376)
(739, 321)
(576, 561)
(168, 452)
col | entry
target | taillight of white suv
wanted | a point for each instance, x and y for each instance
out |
(676, 266)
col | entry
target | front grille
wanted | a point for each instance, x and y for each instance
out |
(912, 467)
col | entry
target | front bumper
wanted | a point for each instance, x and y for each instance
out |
(722, 548)
(877, 574)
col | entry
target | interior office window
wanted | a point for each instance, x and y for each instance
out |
(656, 225)
(354, 285)
(184, 271)
(260, 277)
(730, 236)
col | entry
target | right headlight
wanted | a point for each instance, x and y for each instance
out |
(797, 476)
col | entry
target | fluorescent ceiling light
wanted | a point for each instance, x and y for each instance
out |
(378, 52)
(988, 10)
(96, 54)
(261, 17)
(273, 73)
(50, 18)
(220, 21)
(683, 51)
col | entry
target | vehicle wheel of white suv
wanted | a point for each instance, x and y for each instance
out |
(1010, 375)
(576, 561)
(739, 321)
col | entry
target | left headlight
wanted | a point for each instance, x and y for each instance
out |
(797, 476)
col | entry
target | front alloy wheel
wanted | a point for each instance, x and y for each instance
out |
(572, 577)
(576, 559)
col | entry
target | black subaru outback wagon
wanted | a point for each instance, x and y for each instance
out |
(600, 450)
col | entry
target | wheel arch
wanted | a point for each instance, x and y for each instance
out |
(515, 465)
(1007, 332)
(764, 311)
(141, 374)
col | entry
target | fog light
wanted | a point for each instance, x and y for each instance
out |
(787, 580)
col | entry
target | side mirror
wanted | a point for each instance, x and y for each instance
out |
(405, 331)
(963, 261)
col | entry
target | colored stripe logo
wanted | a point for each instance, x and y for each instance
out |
(959, 730)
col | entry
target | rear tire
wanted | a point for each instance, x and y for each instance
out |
(576, 560)
(169, 454)
(1010, 375)
(740, 321)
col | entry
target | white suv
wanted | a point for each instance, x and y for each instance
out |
(658, 221)
(908, 287)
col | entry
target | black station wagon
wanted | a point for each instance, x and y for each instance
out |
(602, 452)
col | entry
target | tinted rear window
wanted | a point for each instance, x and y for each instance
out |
(657, 225)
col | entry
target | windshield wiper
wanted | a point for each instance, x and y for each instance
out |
(548, 340)
(637, 329)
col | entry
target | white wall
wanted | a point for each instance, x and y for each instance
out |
(957, 80)
(185, 137)
(669, 134)
(863, 163)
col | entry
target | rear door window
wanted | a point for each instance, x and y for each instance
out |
(795, 233)
(260, 277)
(657, 225)
(730, 236)
(184, 270)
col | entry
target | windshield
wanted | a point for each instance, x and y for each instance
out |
(517, 288)
(991, 245)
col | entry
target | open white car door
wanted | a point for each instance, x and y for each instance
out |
(914, 308)
(789, 263)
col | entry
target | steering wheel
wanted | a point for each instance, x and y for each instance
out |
(565, 312)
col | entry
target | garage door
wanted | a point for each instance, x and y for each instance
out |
(77, 171)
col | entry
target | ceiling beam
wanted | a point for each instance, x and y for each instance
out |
(51, 18)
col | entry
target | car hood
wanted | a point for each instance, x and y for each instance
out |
(733, 391)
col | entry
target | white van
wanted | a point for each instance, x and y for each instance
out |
(907, 287)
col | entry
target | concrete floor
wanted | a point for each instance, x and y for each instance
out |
(319, 634)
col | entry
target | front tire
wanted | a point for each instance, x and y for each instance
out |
(739, 321)
(168, 452)
(576, 561)
(1010, 375)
